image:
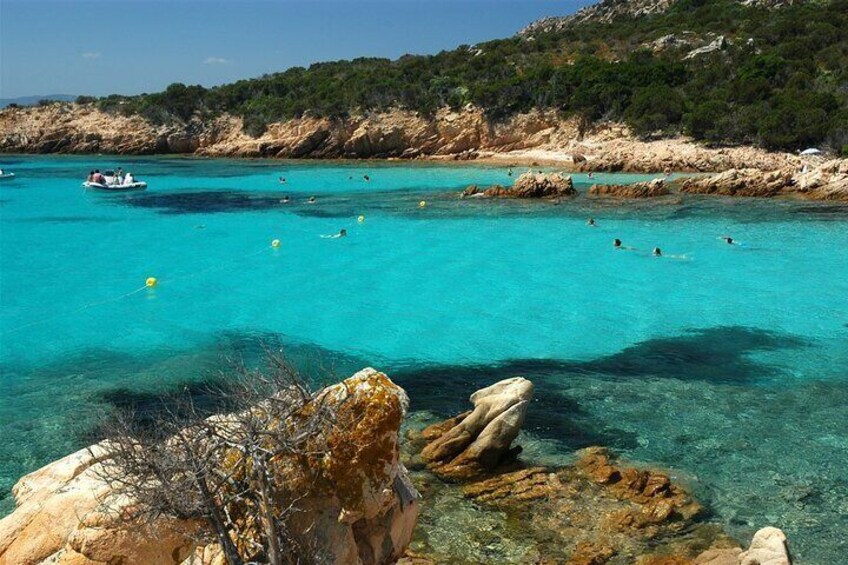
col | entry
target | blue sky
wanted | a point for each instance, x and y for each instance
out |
(128, 46)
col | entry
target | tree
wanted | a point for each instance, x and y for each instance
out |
(242, 473)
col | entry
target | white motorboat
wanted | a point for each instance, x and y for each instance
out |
(115, 187)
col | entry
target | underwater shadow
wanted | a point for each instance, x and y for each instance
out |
(716, 355)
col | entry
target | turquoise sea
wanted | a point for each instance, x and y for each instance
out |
(728, 365)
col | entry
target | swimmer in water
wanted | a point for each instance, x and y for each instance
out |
(311, 200)
(282, 180)
(728, 240)
(367, 178)
(342, 233)
(591, 223)
(616, 243)
(284, 200)
(657, 252)
(509, 172)
(591, 175)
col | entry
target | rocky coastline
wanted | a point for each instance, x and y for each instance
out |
(533, 138)
(594, 511)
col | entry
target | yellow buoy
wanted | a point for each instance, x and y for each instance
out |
(151, 282)
(275, 243)
(422, 203)
(361, 219)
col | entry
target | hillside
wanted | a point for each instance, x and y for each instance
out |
(725, 72)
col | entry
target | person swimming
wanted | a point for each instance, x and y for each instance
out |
(342, 233)
(657, 252)
(311, 200)
(284, 200)
(509, 172)
(616, 243)
(728, 240)
(591, 222)
(282, 180)
(591, 175)
(367, 178)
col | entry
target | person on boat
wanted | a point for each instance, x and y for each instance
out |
(128, 179)
(591, 223)
(119, 176)
(657, 252)
(98, 177)
(90, 177)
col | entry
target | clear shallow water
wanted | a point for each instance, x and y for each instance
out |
(728, 366)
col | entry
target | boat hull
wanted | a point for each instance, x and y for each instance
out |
(115, 187)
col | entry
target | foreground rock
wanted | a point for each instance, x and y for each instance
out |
(648, 189)
(362, 508)
(478, 441)
(528, 185)
(595, 511)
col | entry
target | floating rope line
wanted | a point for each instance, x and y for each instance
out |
(79, 309)
(149, 283)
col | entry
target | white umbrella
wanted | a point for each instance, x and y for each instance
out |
(811, 151)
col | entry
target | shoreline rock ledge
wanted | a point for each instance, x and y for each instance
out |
(359, 506)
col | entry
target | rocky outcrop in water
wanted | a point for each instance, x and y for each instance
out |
(478, 441)
(769, 547)
(595, 511)
(361, 507)
(528, 185)
(648, 189)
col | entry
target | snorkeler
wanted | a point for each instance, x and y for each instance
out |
(591, 223)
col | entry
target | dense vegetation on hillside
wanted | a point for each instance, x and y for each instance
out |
(780, 82)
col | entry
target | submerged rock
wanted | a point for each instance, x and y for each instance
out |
(648, 189)
(528, 185)
(359, 504)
